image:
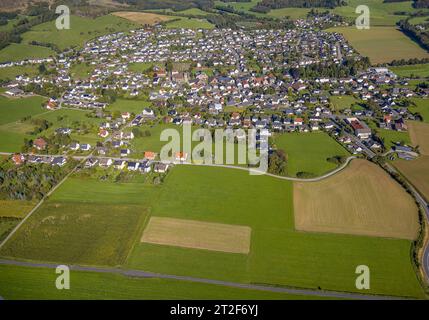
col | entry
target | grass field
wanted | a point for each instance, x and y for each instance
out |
(307, 152)
(11, 72)
(15, 208)
(12, 110)
(419, 134)
(278, 254)
(22, 51)
(351, 202)
(292, 13)
(422, 107)
(342, 102)
(417, 172)
(412, 71)
(189, 23)
(81, 70)
(390, 137)
(38, 284)
(382, 44)
(81, 30)
(132, 106)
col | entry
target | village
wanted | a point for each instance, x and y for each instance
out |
(222, 78)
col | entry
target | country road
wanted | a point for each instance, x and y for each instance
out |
(145, 274)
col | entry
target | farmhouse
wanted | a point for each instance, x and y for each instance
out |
(40, 144)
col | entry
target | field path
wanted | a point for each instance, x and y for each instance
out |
(145, 274)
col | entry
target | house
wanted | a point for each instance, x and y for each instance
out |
(119, 164)
(148, 112)
(149, 155)
(85, 147)
(125, 152)
(14, 92)
(74, 146)
(63, 131)
(133, 166)
(105, 163)
(18, 159)
(40, 144)
(91, 162)
(52, 105)
(298, 121)
(160, 167)
(145, 166)
(180, 156)
(360, 128)
(125, 115)
(59, 161)
(103, 133)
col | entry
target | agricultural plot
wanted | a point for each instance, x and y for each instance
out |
(308, 152)
(81, 30)
(419, 134)
(189, 23)
(350, 202)
(278, 254)
(11, 72)
(412, 71)
(382, 44)
(22, 51)
(197, 235)
(143, 17)
(417, 172)
(292, 13)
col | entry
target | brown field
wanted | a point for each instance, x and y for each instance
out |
(361, 200)
(419, 134)
(143, 17)
(417, 172)
(197, 235)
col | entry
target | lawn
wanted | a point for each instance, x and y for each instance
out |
(382, 44)
(24, 283)
(391, 137)
(350, 203)
(417, 172)
(422, 107)
(81, 70)
(412, 71)
(307, 152)
(342, 102)
(89, 209)
(22, 51)
(81, 30)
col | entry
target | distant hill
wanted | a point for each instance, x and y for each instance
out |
(15, 5)
(176, 5)
(267, 5)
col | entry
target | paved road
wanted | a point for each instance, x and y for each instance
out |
(144, 274)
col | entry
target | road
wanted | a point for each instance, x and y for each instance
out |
(145, 274)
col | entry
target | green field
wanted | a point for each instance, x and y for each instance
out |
(422, 107)
(292, 13)
(39, 283)
(382, 44)
(22, 51)
(81, 70)
(279, 255)
(189, 23)
(391, 137)
(10, 73)
(129, 105)
(412, 71)
(342, 102)
(307, 152)
(81, 30)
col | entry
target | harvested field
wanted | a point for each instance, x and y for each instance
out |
(143, 17)
(197, 235)
(419, 134)
(361, 200)
(417, 172)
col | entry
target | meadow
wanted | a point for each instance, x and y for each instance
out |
(22, 51)
(189, 23)
(342, 102)
(279, 255)
(12, 110)
(25, 283)
(307, 152)
(129, 105)
(412, 71)
(81, 30)
(382, 44)
(350, 202)
(419, 134)
(422, 107)
(81, 70)
(10, 73)
(390, 137)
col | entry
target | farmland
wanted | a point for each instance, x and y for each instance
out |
(274, 240)
(143, 17)
(189, 23)
(417, 172)
(12, 110)
(350, 202)
(37, 283)
(22, 51)
(10, 73)
(382, 44)
(419, 134)
(307, 152)
(422, 107)
(129, 105)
